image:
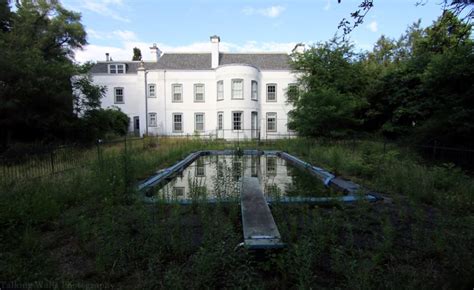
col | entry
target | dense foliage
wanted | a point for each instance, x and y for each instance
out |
(37, 96)
(419, 86)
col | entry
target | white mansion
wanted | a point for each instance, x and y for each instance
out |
(224, 95)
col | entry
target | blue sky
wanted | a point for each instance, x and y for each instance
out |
(116, 26)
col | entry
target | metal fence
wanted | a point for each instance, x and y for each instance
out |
(49, 161)
(52, 160)
(462, 157)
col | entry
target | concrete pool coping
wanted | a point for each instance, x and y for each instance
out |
(351, 189)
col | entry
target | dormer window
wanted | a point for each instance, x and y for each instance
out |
(117, 68)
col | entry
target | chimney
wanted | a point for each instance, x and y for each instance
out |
(215, 51)
(107, 58)
(155, 52)
(299, 48)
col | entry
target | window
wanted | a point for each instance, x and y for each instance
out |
(116, 68)
(220, 121)
(152, 91)
(271, 122)
(199, 122)
(177, 91)
(118, 92)
(271, 166)
(178, 191)
(254, 90)
(199, 92)
(152, 119)
(220, 90)
(177, 122)
(271, 92)
(237, 89)
(200, 169)
(237, 121)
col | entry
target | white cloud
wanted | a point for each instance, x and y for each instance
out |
(91, 33)
(105, 8)
(373, 26)
(271, 12)
(125, 35)
(122, 35)
(125, 50)
(328, 5)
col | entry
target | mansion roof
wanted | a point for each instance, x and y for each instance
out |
(202, 61)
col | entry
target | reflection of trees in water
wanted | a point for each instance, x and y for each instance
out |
(303, 183)
(226, 180)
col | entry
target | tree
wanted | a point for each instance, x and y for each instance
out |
(101, 123)
(5, 16)
(36, 64)
(421, 85)
(137, 54)
(330, 82)
(455, 7)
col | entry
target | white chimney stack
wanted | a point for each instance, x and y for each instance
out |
(299, 48)
(155, 52)
(215, 51)
(107, 56)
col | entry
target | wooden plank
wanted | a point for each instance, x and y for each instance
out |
(260, 229)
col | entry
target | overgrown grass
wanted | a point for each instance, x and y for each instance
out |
(88, 226)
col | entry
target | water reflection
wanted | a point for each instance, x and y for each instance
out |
(220, 176)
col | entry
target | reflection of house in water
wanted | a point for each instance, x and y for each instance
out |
(220, 176)
(200, 168)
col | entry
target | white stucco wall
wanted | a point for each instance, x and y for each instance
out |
(135, 100)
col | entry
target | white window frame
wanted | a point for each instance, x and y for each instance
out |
(203, 93)
(122, 95)
(174, 122)
(241, 121)
(254, 93)
(233, 91)
(274, 115)
(200, 169)
(220, 120)
(152, 92)
(152, 123)
(203, 122)
(276, 88)
(114, 68)
(173, 93)
(220, 90)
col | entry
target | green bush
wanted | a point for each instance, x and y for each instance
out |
(99, 123)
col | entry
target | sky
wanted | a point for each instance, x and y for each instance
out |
(116, 26)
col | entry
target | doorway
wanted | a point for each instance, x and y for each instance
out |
(136, 126)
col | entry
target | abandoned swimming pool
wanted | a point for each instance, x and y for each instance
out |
(255, 179)
(216, 176)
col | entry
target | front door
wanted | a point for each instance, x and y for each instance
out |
(255, 131)
(136, 126)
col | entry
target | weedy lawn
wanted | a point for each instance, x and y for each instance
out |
(88, 226)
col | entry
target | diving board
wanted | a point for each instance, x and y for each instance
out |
(260, 230)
